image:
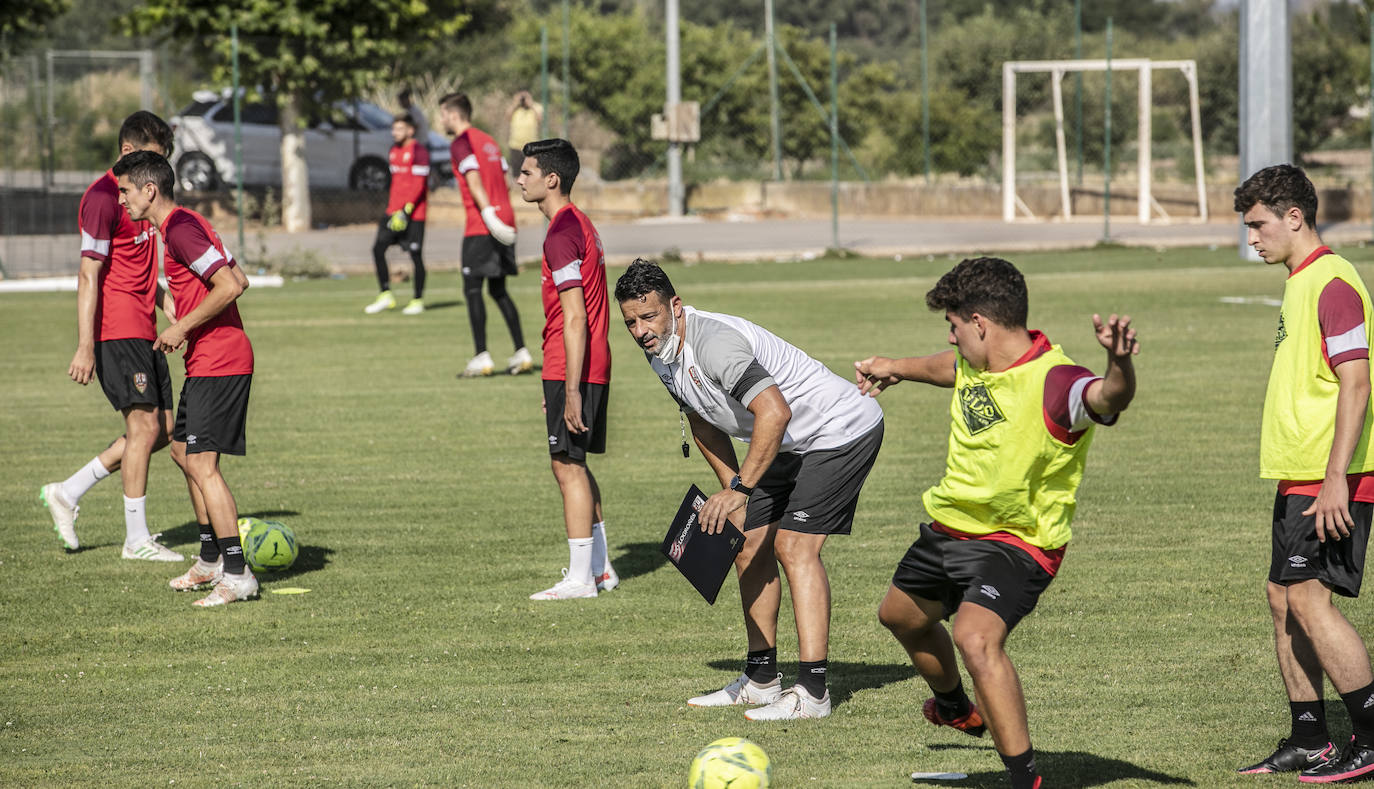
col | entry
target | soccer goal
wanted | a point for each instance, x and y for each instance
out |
(1148, 207)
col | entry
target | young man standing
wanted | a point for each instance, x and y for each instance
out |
(1022, 419)
(116, 291)
(488, 233)
(404, 223)
(1314, 441)
(213, 408)
(577, 362)
(812, 441)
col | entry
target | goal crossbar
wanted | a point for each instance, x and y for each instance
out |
(1145, 67)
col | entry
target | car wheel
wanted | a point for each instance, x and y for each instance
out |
(370, 175)
(196, 172)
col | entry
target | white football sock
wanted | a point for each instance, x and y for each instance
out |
(580, 560)
(135, 521)
(75, 486)
(601, 560)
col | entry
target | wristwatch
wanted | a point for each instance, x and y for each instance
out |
(737, 485)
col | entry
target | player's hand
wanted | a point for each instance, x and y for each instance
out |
(499, 230)
(1116, 335)
(1332, 510)
(874, 374)
(171, 338)
(398, 222)
(717, 509)
(572, 412)
(82, 368)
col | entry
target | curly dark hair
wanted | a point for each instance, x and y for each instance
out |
(1279, 188)
(991, 287)
(641, 278)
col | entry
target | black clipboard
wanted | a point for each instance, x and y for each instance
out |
(704, 559)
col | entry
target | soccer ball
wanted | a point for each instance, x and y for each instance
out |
(730, 763)
(267, 545)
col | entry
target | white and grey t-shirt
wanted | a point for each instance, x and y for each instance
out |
(727, 361)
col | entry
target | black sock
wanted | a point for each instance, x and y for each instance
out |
(1021, 769)
(954, 704)
(762, 665)
(232, 551)
(1309, 724)
(811, 675)
(209, 549)
(1360, 705)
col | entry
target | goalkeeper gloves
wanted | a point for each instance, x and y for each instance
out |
(400, 219)
(499, 230)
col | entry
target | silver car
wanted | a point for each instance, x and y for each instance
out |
(345, 146)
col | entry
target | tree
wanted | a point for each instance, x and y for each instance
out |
(22, 20)
(304, 55)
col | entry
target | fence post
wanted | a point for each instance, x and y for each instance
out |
(1078, 85)
(775, 124)
(567, 44)
(925, 92)
(544, 81)
(674, 84)
(835, 140)
(1107, 145)
(238, 129)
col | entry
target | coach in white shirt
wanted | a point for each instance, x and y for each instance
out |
(812, 441)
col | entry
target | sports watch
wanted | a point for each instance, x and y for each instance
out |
(737, 485)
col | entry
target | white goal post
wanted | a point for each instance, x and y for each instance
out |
(1057, 69)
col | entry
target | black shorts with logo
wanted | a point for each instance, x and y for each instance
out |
(999, 577)
(212, 415)
(484, 256)
(412, 239)
(1298, 556)
(594, 399)
(133, 373)
(815, 492)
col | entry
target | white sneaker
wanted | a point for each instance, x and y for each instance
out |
(566, 589)
(607, 580)
(230, 589)
(152, 550)
(202, 573)
(63, 514)
(794, 703)
(384, 301)
(521, 362)
(480, 365)
(741, 691)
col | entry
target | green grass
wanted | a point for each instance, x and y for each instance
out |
(427, 514)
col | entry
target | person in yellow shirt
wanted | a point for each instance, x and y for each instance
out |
(1314, 440)
(1022, 418)
(524, 116)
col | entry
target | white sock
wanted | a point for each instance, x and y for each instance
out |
(601, 560)
(580, 560)
(76, 486)
(135, 520)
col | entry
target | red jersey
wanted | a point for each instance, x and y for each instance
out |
(572, 259)
(195, 252)
(128, 276)
(409, 178)
(474, 149)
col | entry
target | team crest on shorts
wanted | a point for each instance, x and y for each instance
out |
(141, 382)
(980, 410)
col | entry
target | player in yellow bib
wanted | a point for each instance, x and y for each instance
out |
(1314, 441)
(1022, 417)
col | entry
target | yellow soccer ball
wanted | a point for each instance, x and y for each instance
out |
(730, 763)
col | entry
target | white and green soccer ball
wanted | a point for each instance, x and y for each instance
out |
(268, 546)
(730, 763)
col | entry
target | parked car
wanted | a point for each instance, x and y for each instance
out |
(345, 146)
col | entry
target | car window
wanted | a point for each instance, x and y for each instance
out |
(252, 112)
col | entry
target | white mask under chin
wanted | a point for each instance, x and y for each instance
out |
(667, 346)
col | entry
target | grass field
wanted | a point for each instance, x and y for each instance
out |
(427, 514)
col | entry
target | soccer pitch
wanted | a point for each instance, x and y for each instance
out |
(427, 515)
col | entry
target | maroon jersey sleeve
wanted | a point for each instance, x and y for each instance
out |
(1340, 314)
(188, 245)
(1067, 413)
(99, 218)
(563, 249)
(461, 155)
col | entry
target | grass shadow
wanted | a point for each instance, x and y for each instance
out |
(442, 305)
(638, 558)
(1060, 768)
(308, 560)
(845, 677)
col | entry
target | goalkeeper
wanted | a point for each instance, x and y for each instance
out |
(404, 223)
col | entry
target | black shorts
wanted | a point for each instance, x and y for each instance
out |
(1298, 556)
(132, 373)
(999, 577)
(484, 256)
(576, 447)
(816, 492)
(411, 239)
(212, 415)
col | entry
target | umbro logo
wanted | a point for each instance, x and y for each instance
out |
(1307, 716)
(990, 591)
(553, 440)
(1369, 702)
(1297, 561)
(801, 516)
(191, 439)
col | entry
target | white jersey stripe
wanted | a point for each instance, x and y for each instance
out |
(202, 264)
(568, 273)
(420, 169)
(1079, 418)
(1353, 340)
(90, 243)
(469, 163)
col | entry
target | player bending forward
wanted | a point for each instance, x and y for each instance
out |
(213, 409)
(1022, 419)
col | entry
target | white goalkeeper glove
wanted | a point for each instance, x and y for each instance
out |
(499, 230)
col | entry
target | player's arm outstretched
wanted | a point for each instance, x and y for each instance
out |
(877, 373)
(1116, 388)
